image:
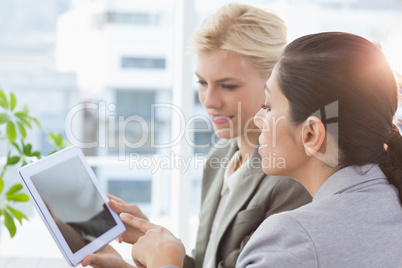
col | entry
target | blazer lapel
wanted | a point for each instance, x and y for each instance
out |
(210, 205)
(246, 185)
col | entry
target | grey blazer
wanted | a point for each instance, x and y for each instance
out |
(355, 220)
(256, 197)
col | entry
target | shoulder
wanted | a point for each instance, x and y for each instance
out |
(288, 188)
(283, 193)
(282, 184)
(279, 224)
(273, 245)
(285, 188)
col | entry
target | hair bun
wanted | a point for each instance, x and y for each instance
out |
(395, 138)
(394, 152)
(392, 168)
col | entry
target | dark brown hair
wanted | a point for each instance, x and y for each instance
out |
(317, 70)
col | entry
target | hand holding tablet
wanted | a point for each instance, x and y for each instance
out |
(72, 204)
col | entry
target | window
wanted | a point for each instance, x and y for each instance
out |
(128, 18)
(152, 19)
(203, 138)
(137, 191)
(133, 122)
(142, 63)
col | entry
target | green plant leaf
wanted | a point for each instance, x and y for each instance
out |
(13, 101)
(21, 129)
(24, 118)
(4, 117)
(53, 137)
(17, 214)
(15, 188)
(36, 154)
(13, 160)
(27, 149)
(57, 139)
(1, 185)
(3, 99)
(25, 109)
(16, 147)
(17, 197)
(9, 223)
(37, 122)
(11, 132)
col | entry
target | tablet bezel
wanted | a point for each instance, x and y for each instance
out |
(32, 169)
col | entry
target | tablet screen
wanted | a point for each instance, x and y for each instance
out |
(74, 202)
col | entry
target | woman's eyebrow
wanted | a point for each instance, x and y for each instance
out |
(198, 75)
(225, 79)
(222, 80)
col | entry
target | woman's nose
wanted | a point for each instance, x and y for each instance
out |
(260, 120)
(211, 98)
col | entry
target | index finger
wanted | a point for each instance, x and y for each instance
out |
(112, 197)
(138, 223)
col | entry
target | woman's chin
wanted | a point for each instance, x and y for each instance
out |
(272, 164)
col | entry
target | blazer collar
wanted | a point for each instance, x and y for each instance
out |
(348, 178)
(214, 193)
(246, 186)
(210, 204)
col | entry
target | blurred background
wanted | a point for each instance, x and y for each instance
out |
(105, 74)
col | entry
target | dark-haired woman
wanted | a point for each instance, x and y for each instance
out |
(332, 98)
(339, 97)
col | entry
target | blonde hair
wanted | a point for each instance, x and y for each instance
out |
(249, 31)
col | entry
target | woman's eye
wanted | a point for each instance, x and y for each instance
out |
(202, 82)
(229, 86)
(265, 107)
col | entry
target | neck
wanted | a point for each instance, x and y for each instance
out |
(314, 174)
(247, 145)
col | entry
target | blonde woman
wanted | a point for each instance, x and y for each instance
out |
(237, 48)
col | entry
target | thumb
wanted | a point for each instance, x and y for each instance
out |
(98, 261)
(91, 259)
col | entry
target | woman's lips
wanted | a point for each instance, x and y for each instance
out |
(262, 145)
(220, 119)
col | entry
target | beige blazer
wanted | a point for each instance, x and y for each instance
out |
(255, 197)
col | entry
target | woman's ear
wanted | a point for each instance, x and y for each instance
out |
(313, 136)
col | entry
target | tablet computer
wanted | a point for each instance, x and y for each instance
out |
(68, 197)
